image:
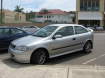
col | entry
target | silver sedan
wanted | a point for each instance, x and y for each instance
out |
(51, 41)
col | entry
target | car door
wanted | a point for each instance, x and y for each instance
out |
(4, 37)
(81, 35)
(63, 44)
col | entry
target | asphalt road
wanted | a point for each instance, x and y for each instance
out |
(97, 57)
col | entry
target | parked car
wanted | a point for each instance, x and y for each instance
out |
(51, 41)
(30, 29)
(99, 28)
(8, 34)
(93, 28)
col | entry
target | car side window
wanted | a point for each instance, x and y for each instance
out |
(80, 30)
(65, 31)
(4, 31)
(16, 31)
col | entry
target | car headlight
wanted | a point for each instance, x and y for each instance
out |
(22, 48)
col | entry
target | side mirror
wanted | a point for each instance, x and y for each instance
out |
(57, 36)
(91, 30)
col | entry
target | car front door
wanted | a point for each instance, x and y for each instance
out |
(65, 43)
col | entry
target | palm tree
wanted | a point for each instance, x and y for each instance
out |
(44, 10)
(18, 9)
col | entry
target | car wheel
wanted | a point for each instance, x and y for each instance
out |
(39, 57)
(87, 47)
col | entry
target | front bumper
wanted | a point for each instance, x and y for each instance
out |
(21, 57)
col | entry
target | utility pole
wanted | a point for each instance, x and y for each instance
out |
(1, 19)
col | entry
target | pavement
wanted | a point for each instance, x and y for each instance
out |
(75, 65)
(37, 71)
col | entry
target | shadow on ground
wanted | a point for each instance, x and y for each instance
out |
(54, 61)
(65, 58)
(3, 52)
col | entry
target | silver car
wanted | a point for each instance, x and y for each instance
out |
(51, 41)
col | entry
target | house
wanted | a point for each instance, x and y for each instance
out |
(13, 17)
(53, 16)
(90, 12)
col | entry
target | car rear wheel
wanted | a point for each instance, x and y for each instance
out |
(87, 47)
(39, 57)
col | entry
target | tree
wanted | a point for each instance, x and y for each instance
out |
(30, 15)
(18, 9)
(44, 10)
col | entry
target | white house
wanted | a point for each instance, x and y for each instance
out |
(54, 16)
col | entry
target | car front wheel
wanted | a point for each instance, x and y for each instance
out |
(87, 47)
(39, 57)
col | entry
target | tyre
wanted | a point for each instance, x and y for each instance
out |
(39, 57)
(87, 47)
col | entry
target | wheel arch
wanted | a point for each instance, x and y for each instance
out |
(90, 42)
(41, 49)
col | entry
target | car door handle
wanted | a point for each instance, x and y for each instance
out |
(74, 39)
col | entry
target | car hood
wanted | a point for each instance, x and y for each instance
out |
(27, 40)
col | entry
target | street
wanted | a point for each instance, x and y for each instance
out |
(97, 56)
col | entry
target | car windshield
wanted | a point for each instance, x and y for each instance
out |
(46, 31)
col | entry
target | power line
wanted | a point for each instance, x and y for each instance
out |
(1, 17)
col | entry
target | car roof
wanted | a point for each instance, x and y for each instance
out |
(62, 25)
(9, 27)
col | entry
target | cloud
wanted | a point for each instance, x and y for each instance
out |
(10, 4)
(59, 4)
(29, 9)
(36, 5)
(27, 1)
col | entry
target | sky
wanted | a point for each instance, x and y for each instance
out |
(36, 5)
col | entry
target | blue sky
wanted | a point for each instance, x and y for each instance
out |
(36, 5)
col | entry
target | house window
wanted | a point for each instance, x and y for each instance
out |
(89, 5)
(39, 16)
(49, 16)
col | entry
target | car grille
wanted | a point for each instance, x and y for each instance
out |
(12, 46)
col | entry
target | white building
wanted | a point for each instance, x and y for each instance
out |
(54, 16)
